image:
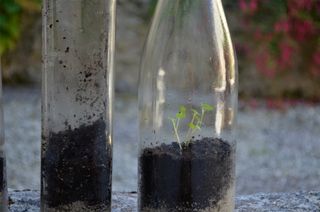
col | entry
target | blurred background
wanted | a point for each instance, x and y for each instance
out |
(278, 48)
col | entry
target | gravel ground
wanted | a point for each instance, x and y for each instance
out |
(127, 202)
(277, 151)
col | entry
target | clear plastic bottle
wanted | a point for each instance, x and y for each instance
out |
(77, 97)
(3, 176)
(187, 108)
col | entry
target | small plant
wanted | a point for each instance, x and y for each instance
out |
(194, 125)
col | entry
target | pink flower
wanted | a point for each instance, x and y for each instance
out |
(295, 6)
(263, 63)
(285, 58)
(302, 29)
(304, 4)
(243, 5)
(253, 6)
(282, 26)
(248, 7)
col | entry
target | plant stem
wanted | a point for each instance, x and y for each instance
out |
(202, 116)
(178, 121)
(176, 132)
(190, 130)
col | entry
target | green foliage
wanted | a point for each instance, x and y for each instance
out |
(194, 125)
(152, 8)
(10, 20)
(9, 24)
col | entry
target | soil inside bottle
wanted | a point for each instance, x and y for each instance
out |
(77, 168)
(194, 178)
(1, 175)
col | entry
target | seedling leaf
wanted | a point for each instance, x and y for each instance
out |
(206, 107)
(196, 113)
(195, 124)
(182, 112)
(192, 126)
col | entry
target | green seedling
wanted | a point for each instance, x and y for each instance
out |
(194, 125)
(176, 121)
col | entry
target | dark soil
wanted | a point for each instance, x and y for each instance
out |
(187, 180)
(2, 166)
(76, 167)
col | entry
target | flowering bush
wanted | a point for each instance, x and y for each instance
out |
(10, 20)
(284, 35)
